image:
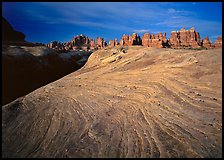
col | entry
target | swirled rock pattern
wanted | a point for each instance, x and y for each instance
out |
(146, 102)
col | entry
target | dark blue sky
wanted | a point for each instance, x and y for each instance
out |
(61, 21)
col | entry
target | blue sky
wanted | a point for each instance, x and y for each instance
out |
(61, 21)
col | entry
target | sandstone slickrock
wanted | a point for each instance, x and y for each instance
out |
(148, 103)
(218, 42)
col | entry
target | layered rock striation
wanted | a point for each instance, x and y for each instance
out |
(158, 41)
(149, 103)
(185, 38)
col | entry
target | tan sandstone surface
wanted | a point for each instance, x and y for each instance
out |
(146, 102)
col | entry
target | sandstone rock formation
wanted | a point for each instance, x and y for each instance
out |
(149, 103)
(80, 42)
(25, 69)
(207, 43)
(100, 43)
(127, 40)
(135, 39)
(218, 42)
(113, 42)
(124, 40)
(158, 41)
(185, 38)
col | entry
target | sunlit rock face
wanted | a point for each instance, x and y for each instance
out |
(113, 43)
(185, 38)
(146, 102)
(207, 43)
(218, 42)
(127, 40)
(100, 43)
(158, 41)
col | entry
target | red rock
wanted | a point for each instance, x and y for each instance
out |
(134, 39)
(124, 40)
(185, 38)
(207, 43)
(145, 39)
(157, 41)
(80, 40)
(218, 42)
(92, 44)
(113, 43)
(100, 43)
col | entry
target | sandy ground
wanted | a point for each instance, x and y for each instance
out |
(143, 103)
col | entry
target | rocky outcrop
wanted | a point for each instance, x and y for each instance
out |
(158, 41)
(150, 103)
(113, 43)
(80, 42)
(92, 44)
(207, 43)
(9, 34)
(218, 42)
(185, 38)
(100, 43)
(127, 40)
(135, 39)
(124, 40)
(25, 69)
